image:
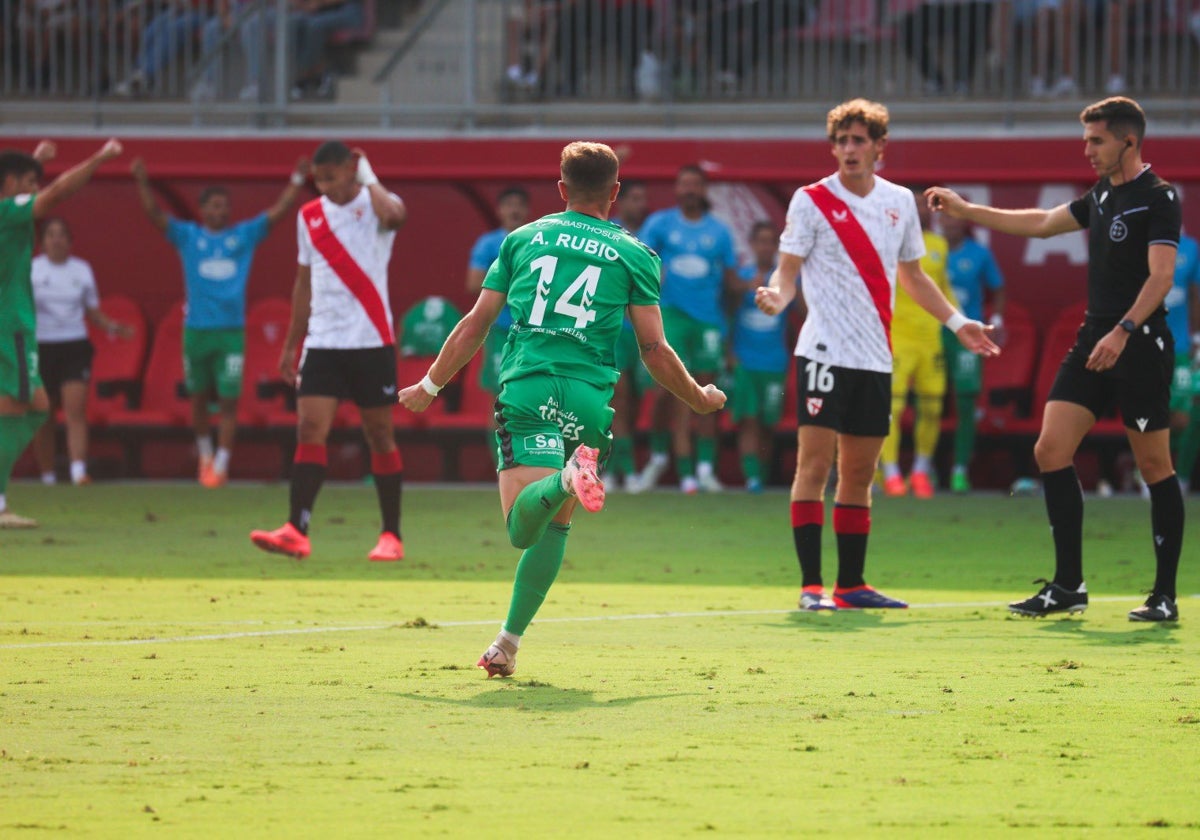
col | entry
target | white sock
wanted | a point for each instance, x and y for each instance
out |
(204, 446)
(512, 638)
(921, 464)
(48, 477)
(78, 471)
(704, 469)
(221, 461)
(3, 503)
(891, 470)
(659, 459)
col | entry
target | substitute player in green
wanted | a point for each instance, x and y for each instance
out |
(24, 403)
(568, 279)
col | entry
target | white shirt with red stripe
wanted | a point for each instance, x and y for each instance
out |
(845, 326)
(350, 306)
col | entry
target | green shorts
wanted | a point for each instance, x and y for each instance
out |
(966, 368)
(700, 346)
(212, 361)
(493, 357)
(543, 418)
(757, 395)
(1183, 383)
(19, 377)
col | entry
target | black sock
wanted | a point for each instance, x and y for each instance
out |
(852, 524)
(388, 487)
(1166, 521)
(1064, 509)
(306, 484)
(808, 518)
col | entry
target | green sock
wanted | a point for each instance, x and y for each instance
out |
(752, 467)
(535, 506)
(706, 450)
(16, 430)
(964, 434)
(535, 573)
(660, 443)
(621, 459)
(685, 465)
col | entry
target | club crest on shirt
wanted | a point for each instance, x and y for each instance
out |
(893, 216)
(813, 404)
(1117, 231)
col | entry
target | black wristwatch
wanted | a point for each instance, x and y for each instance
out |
(1128, 326)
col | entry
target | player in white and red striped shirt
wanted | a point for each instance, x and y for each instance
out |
(854, 234)
(341, 298)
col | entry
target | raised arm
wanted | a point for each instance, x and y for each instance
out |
(71, 181)
(390, 210)
(462, 343)
(664, 365)
(1033, 222)
(146, 195)
(290, 193)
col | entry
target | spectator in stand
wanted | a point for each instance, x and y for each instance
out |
(530, 40)
(162, 40)
(699, 268)
(587, 32)
(761, 358)
(1052, 34)
(632, 207)
(512, 210)
(973, 275)
(216, 260)
(310, 24)
(64, 292)
(928, 27)
(745, 32)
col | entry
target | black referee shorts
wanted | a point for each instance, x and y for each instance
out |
(1139, 384)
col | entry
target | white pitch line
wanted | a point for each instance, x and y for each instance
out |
(373, 628)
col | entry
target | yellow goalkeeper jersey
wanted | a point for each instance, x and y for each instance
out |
(912, 325)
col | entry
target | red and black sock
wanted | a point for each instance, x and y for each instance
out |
(308, 474)
(808, 518)
(388, 469)
(852, 524)
(1064, 509)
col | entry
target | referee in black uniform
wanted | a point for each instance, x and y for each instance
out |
(1123, 353)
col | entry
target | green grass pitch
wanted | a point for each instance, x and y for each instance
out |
(161, 678)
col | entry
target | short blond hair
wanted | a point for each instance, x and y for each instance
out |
(873, 115)
(589, 170)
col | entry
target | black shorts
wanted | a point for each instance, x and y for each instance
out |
(366, 376)
(60, 362)
(850, 401)
(1139, 384)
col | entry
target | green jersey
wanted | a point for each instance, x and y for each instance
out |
(17, 312)
(568, 278)
(426, 326)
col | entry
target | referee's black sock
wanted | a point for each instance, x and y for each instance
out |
(1166, 521)
(1064, 508)
(808, 518)
(308, 474)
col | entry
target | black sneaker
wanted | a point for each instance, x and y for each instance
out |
(1156, 608)
(1052, 599)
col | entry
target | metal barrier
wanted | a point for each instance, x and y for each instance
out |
(521, 63)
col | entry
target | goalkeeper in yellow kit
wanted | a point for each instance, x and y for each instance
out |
(919, 367)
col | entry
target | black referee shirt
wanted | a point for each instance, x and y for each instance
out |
(1122, 223)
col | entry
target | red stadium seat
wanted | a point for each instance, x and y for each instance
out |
(1008, 379)
(264, 398)
(117, 364)
(476, 406)
(164, 402)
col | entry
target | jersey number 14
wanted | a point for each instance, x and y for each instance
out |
(584, 286)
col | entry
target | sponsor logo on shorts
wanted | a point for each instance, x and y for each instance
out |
(550, 445)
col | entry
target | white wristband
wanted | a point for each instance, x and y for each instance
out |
(366, 175)
(428, 387)
(996, 320)
(956, 321)
(297, 179)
